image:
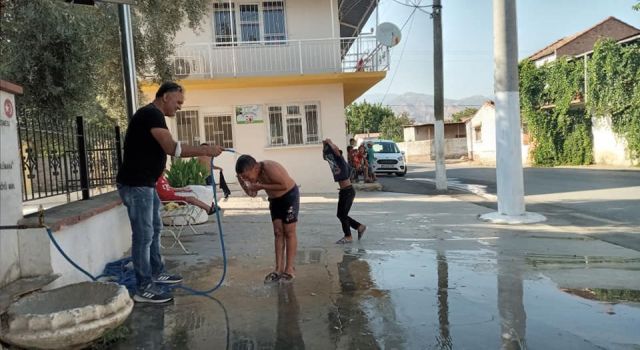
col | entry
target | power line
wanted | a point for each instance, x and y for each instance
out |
(406, 41)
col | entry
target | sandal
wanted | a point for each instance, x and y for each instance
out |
(344, 240)
(286, 277)
(272, 277)
(361, 230)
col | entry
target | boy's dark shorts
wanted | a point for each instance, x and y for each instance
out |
(286, 207)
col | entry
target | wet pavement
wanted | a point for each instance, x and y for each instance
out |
(427, 275)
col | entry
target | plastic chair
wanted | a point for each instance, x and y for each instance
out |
(178, 218)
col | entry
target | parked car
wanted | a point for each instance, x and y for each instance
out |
(388, 158)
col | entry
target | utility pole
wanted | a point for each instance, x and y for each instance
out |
(438, 97)
(128, 59)
(509, 178)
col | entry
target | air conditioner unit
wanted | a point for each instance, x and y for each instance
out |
(185, 66)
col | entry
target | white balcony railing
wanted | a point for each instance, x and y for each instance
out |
(207, 60)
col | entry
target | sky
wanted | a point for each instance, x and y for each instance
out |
(467, 30)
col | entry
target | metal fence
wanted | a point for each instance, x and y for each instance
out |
(310, 56)
(62, 157)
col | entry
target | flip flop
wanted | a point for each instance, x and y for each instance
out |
(272, 277)
(344, 240)
(286, 277)
(361, 232)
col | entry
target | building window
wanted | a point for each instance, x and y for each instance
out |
(478, 133)
(276, 137)
(292, 127)
(188, 129)
(254, 21)
(273, 18)
(311, 117)
(249, 22)
(225, 31)
(217, 130)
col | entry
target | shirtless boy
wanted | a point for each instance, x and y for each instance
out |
(284, 203)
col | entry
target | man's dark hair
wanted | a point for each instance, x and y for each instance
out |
(204, 144)
(168, 86)
(244, 163)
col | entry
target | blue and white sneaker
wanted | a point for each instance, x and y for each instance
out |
(152, 294)
(165, 278)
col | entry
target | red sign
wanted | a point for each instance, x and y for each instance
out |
(8, 108)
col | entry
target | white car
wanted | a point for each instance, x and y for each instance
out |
(388, 158)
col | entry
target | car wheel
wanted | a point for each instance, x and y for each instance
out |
(401, 174)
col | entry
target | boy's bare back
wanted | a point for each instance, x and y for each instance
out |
(275, 174)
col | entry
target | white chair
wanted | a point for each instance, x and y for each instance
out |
(177, 218)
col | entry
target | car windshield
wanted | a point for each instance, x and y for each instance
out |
(385, 147)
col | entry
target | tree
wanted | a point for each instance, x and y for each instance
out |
(366, 117)
(467, 112)
(67, 57)
(637, 6)
(392, 127)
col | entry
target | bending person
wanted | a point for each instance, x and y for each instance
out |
(284, 204)
(341, 174)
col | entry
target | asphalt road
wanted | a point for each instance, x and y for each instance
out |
(584, 197)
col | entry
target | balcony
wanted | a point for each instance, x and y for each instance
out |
(280, 58)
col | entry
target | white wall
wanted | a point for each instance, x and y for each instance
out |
(484, 151)
(608, 147)
(10, 188)
(91, 243)
(304, 163)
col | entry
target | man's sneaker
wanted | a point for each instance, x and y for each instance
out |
(165, 278)
(152, 294)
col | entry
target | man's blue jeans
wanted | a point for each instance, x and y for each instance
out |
(143, 207)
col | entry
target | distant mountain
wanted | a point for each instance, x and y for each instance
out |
(420, 106)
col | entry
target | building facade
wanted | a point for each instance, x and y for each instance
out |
(272, 79)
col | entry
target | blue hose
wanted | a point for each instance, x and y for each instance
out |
(224, 253)
(126, 277)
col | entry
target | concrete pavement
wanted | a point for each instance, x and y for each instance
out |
(427, 274)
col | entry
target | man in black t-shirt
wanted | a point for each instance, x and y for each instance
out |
(146, 145)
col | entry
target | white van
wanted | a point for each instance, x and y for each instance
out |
(388, 158)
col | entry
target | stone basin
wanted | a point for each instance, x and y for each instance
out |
(67, 317)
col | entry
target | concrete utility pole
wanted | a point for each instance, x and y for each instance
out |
(438, 97)
(128, 59)
(509, 179)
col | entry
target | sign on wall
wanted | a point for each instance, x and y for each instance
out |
(249, 114)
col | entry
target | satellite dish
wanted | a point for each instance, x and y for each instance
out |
(388, 34)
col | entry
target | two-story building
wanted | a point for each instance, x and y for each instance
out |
(272, 78)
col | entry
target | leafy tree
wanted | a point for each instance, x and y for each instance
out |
(467, 112)
(67, 57)
(637, 6)
(366, 117)
(392, 127)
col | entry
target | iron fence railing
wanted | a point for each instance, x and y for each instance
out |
(311, 56)
(62, 157)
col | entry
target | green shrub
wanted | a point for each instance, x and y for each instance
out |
(186, 172)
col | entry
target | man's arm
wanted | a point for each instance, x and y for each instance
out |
(164, 138)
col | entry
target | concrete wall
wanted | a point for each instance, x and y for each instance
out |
(303, 162)
(91, 243)
(481, 137)
(10, 186)
(608, 148)
(423, 151)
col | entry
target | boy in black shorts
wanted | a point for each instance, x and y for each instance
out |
(284, 203)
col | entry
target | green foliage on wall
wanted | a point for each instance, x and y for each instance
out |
(560, 129)
(614, 89)
(186, 172)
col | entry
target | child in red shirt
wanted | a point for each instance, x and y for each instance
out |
(168, 193)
